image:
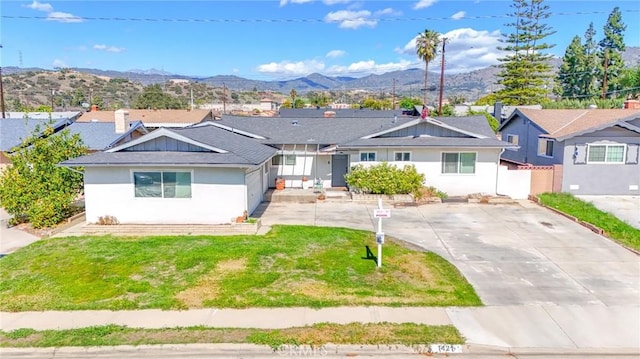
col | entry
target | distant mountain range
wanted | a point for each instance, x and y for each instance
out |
(409, 82)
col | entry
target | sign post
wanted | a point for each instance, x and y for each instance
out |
(380, 213)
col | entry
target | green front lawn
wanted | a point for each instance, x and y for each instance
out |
(290, 266)
(585, 211)
(319, 334)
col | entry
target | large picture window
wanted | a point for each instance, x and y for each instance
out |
(459, 162)
(605, 153)
(162, 184)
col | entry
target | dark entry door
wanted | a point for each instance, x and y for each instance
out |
(339, 168)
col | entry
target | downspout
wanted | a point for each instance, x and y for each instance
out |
(498, 171)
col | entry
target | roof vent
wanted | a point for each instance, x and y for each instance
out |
(294, 122)
(329, 114)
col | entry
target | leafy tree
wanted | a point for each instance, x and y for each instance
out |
(630, 81)
(611, 49)
(526, 68)
(153, 97)
(376, 104)
(34, 188)
(569, 75)
(426, 49)
(410, 102)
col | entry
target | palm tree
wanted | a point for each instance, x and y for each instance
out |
(293, 94)
(426, 48)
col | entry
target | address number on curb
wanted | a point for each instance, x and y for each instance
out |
(445, 348)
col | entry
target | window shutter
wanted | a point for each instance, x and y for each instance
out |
(632, 154)
(580, 154)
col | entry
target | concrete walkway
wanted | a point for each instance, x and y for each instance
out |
(12, 238)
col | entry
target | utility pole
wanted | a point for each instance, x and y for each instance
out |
(444, 41)
(393, 105)
(1, 91)
(53, 93)
(224, 98)
(604, 80)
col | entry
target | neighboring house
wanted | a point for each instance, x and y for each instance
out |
(17, 126)
(152, 118)
(597, 148)
(202, 175)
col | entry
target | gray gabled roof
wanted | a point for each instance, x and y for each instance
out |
(340, 113)
(14, 130)
(323, 131)
(235, 151)
(98, 136)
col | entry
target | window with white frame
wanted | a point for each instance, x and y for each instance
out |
(606, 153)
(287, 160)
(459, 162)
(512, 139)
(162, 184)
(545, 147)
(402, 156)
(367, 156)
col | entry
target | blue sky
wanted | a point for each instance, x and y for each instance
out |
(278, 39)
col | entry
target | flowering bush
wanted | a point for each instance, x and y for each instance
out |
(384, 179)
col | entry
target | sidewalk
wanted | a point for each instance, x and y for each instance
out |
(522, 326)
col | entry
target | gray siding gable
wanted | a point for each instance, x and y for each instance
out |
(424, 129)
(165, 143)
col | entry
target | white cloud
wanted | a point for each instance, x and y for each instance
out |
(63, 17)
(54, 15)
(285, 2)
(467, 49)
(40, 6)
(335, 53)
(287, 68)
(59, 63)
(422, 4)
(387, 11)
(366, 67)
(334, 2)
(351, 19)
(106, 48)
(459, 15)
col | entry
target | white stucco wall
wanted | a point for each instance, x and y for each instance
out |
(310, 165)
(217, 196)
(514, 183)
(428, 161)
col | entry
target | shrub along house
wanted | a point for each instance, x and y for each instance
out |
(597, 148)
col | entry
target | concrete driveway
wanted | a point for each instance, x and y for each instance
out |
(513, 254)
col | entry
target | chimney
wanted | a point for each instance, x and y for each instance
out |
(632, 105)
(497, 111)
(122, 121)
(94, 108)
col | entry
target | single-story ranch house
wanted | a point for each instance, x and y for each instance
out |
(214, 171)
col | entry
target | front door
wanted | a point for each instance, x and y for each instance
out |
(339, 168)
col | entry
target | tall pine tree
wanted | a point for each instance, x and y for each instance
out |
(570, 72)
(526, 68)
(611, 49)
(589, 76)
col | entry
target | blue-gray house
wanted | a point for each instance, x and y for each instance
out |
(597, 148)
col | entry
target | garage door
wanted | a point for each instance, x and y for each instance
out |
(254, 189)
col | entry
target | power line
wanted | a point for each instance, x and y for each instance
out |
(271, 21)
